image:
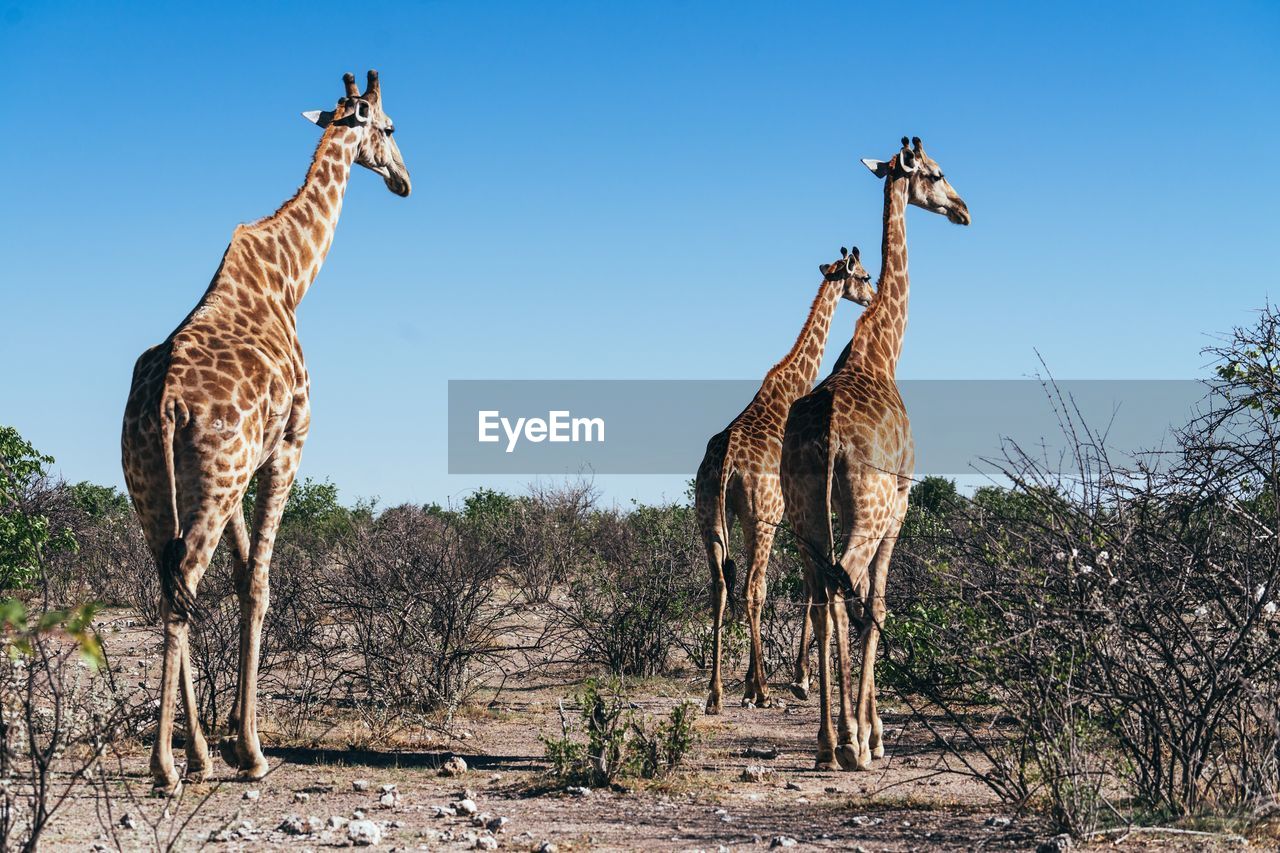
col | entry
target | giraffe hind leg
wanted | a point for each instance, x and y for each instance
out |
(274, 482)
(237, 536)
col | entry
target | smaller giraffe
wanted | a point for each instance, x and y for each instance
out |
(739, 472)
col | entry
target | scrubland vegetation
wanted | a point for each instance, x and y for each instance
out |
(1096, 641)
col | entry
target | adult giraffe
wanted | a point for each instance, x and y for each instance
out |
(739, 472)
(225, 399)
(847, 446)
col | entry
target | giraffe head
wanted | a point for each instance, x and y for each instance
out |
(377, 149)
(927, 187)
(849, 272)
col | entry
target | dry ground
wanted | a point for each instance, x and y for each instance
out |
(904, 804)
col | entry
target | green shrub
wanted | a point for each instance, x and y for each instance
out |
(612, 741)
(26, 534)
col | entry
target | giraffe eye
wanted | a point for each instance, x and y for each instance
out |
(389, 130)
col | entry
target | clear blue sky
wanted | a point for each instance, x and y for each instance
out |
(626, 190)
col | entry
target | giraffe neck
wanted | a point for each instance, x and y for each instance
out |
(877, 337)
(793, 376)
(296, 238)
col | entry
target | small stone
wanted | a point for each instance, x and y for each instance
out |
(358, 814)
(783, 841)
(294, 825)
(1057, 844)
(998, 822)
(756, 773)
(481, 818)
(360, 785)
(766, 753)
(127, 821)
(467, 807)
(301, 796)
(548, 847)
(455, 766)
(577, 791)
(337, 822)
(445, 811)
(792, 786)
(486, 842)
(496, 825)
(364, 833)
(387, 788)
(251, 795)
(389, 799)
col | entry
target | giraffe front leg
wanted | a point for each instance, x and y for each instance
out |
(199, 766)
(826, 757)
(800, 684)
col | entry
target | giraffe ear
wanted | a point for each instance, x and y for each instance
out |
(319, 117)
(879, 168)
(857, 256)
(822, 268)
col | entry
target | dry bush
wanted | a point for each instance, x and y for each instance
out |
(634, 592)
(1104, 638)
(546, 537)
(413, 598)
(60, 712)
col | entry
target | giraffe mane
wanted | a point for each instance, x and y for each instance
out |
(795, 347)
(325, 138)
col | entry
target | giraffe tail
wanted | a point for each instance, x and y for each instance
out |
(836, 575)
(172, 583)
(730, 574)
(728, 569)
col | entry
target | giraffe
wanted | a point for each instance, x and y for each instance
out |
(847, 446)
(739, 473)
(224, 399)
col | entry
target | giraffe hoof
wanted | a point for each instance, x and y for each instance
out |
(227, 749)
(826, 764)
(747, 703)
(254, 771)
(197, 773)
(163, 788)
(799, 690)
(851, 757)
(878, 752)
(713, 709)
(847, 756)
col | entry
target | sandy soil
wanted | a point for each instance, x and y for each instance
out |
(905, 803)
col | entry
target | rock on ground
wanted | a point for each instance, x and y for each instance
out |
(364, 833)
